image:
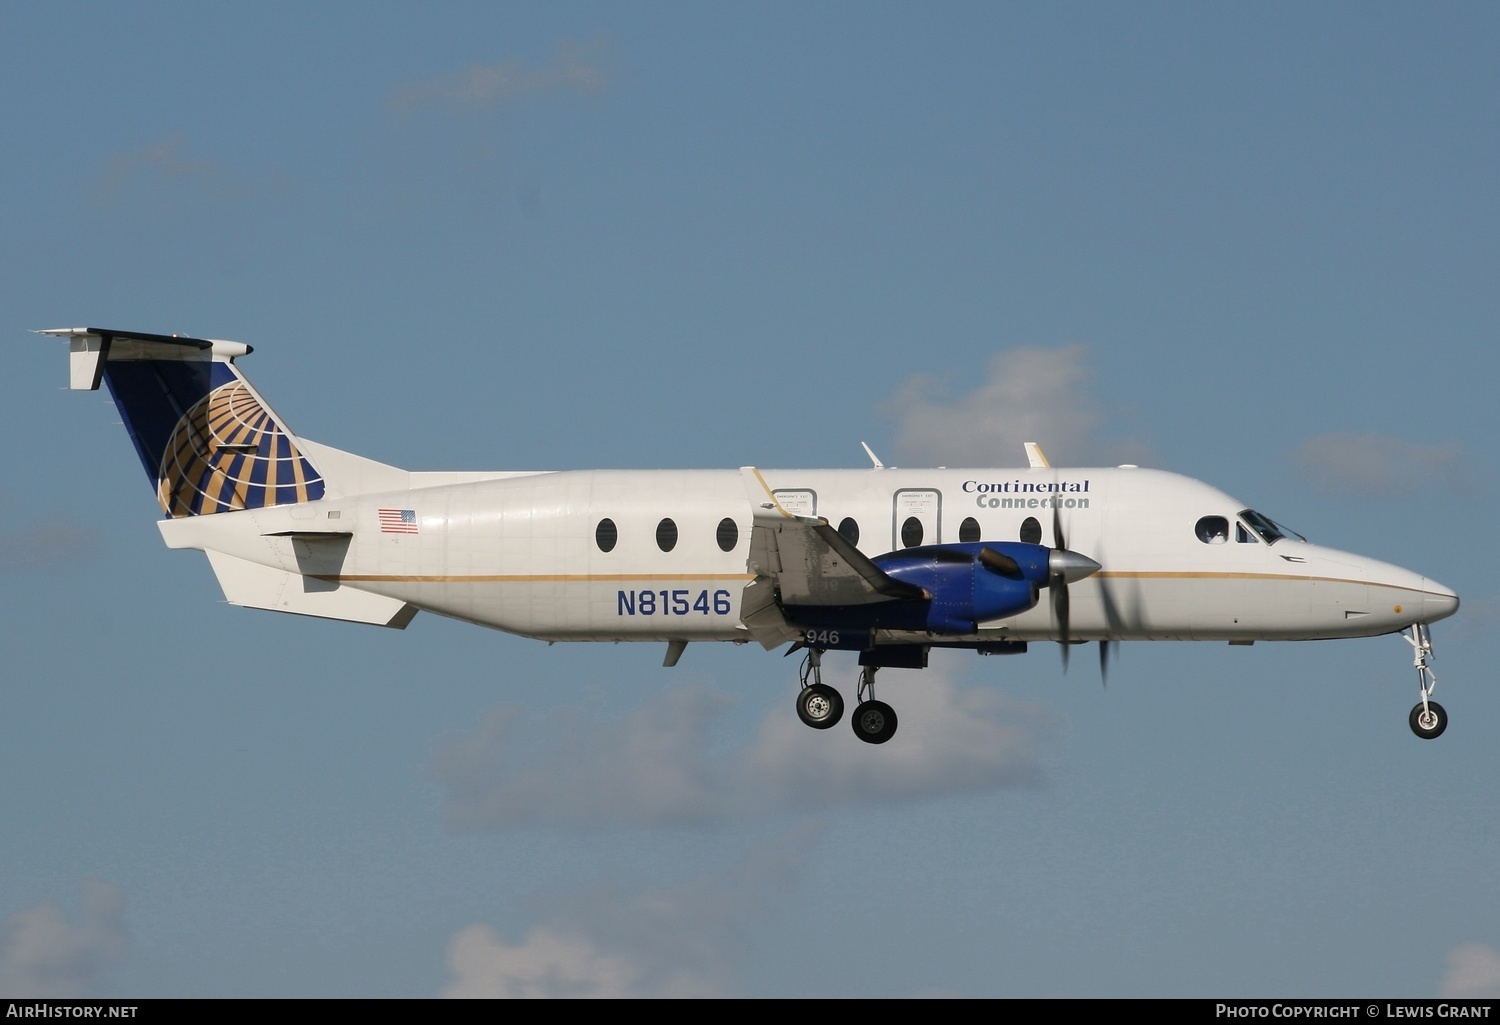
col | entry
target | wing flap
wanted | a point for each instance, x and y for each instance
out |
(810, 562)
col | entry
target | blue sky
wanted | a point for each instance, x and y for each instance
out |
(1255, 244)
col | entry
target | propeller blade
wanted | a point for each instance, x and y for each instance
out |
(1059, 589)
(1064, 567)
(1106, 652)
(1057, 583)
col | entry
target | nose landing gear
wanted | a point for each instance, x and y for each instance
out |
(1428, 719)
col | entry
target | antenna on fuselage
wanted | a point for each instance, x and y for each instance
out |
(873, 457)
(1035, 456)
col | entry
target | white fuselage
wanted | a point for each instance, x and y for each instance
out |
(523, 553)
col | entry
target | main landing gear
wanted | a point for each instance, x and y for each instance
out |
(821, 707)
(1428, 719)
(874, 721)
(818, 705)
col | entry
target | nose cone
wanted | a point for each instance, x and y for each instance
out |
(1438, 602)
(1394, 597)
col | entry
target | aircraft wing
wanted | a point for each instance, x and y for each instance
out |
(803, 561)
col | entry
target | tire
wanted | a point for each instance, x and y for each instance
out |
(820, 706)
(874, 722)
(1438, 721)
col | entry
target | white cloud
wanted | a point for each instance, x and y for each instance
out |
(651, 769)
(1041, 395)
(575, 68)
(43, 955)
(655, 767)
(544, 964)
(164, 157)
(44, 546)
(1370, 464)
(1473, 973)
(680, 941)
(162, 174)
(951, 740)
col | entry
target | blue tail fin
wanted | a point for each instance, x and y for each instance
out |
(207, 439)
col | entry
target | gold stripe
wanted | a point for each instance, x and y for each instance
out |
(1205, 575)
(588, 578)
(1190, 575)
(525, 578)
(771, 494)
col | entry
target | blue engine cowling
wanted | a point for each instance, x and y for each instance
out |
(967, 587)
(968, 583)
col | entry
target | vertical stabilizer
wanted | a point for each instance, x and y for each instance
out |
(208, 441)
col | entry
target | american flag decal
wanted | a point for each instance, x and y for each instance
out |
(398, 521)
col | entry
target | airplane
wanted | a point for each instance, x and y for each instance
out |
(887, 563)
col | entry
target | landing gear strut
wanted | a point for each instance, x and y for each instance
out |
(874, 721)
(1428, 719)
(818, 705)
(821, 707)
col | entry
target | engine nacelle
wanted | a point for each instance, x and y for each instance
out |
(967, 585)
(970, 583)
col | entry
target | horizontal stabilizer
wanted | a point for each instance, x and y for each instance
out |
(90, 347)
(262, 587)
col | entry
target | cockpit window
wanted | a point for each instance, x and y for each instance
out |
(1244, 536)
(1269, 530)
(1212, 530)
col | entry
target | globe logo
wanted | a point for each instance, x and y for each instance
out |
(227, 453)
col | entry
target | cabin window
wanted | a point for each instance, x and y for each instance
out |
(968, 530)
(666, 535)
(1212, 530)
(911, 532)
(606, 536)
(1031, 531)
(728, 534)
(849, 530)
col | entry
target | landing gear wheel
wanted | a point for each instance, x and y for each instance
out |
(874, 722)
(820, 706)
(1428, 724)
